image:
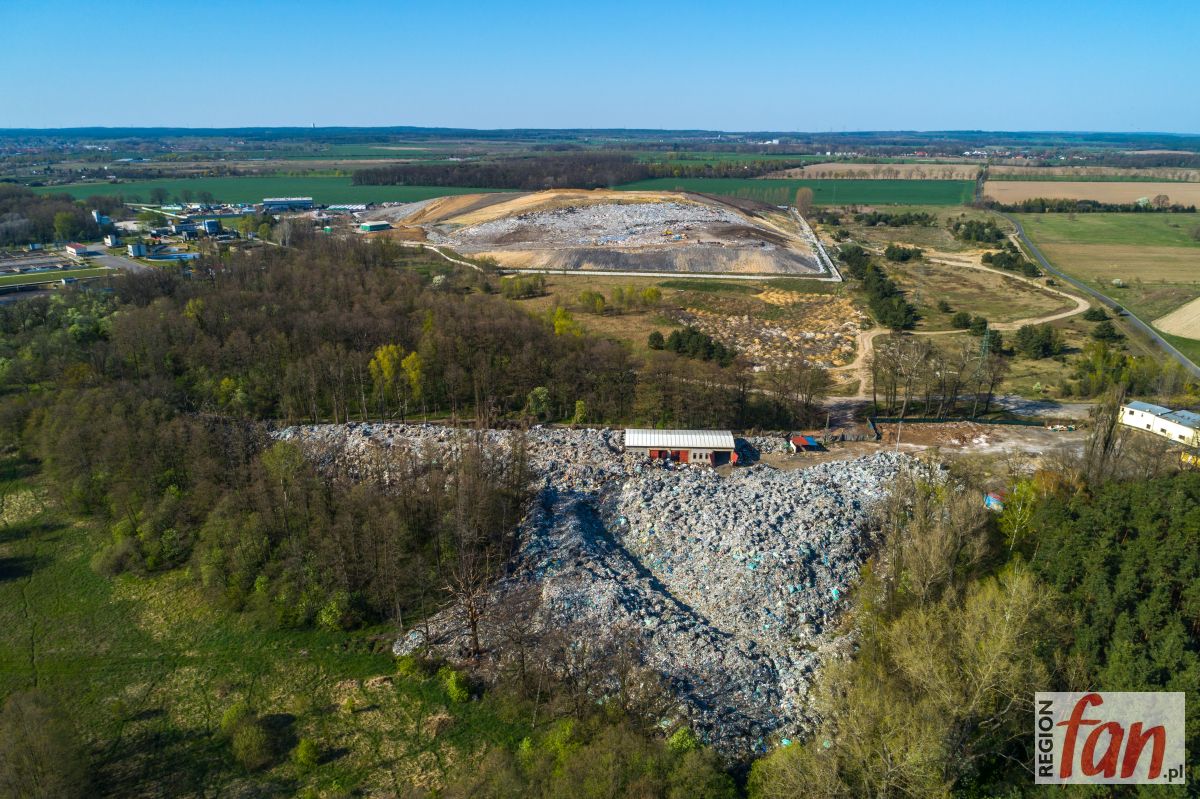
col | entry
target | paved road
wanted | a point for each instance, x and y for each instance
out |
(1150, 332)
(102, 258)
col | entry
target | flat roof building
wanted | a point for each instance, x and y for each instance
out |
(708, 447)
(1182, 427)
(287, 203)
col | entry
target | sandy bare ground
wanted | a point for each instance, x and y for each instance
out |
(854, 170)
(1015, 191)
(1183, 321)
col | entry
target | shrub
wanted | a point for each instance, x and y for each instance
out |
(655, 341)
(233, 717)
(961, 320)
(305, 756)
(682, 740)
(338, 613)
(1095, 314)
(943, 306)
(1105, 331)
(455, 685)
(118, 557)
(978, 326)
(251, 745)
(894, 252)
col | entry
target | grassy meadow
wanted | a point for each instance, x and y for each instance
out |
(144, 668)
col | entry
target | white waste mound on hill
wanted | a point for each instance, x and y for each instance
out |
(613, 224)
(727, 583)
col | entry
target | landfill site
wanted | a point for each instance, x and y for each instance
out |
(613, 231)
(731, 579)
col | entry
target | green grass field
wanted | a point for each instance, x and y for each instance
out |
(825, 192)
(42, 277)
(1154, 230)
(324, 190)
(1154, 255)
(144, 667)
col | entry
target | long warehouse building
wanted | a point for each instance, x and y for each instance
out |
(707, 447)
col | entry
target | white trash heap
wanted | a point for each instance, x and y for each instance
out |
(730, 584)
(629, 224)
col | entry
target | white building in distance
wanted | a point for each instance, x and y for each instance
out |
(1182, 427)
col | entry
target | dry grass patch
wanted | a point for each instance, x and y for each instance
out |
(1015, 191)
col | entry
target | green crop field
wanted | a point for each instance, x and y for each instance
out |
(323, 190)
(825, 192)
(1153, 230)
(42, 277)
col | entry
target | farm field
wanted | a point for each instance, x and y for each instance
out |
(145, 667)
(324, 190)
(857, 170)
(1152, 254)
(1119, 191)
(1164, 230)
(825, 192)
(1101, 173)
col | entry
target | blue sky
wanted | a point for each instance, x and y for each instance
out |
(814, 66)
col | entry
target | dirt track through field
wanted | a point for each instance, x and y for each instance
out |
(1183, 321)
(859, 369)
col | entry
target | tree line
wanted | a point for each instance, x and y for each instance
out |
(1044, 205)
(585, 170)
(26, 217)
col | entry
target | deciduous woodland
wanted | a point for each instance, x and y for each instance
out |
(577, 171)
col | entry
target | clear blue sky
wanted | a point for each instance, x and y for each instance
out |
(810, 66)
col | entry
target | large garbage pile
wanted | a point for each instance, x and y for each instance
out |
(623, 224)
(728, 583)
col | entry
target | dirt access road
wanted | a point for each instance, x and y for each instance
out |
(859, 368)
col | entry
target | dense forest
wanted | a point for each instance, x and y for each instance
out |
(27, 218)
(577, 170)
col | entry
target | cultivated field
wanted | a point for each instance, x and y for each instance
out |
(1153, 255)
(854, 170)
(324, 190)
(1183, 321)
(1122, 191)
(825, 192)
(1110, 173)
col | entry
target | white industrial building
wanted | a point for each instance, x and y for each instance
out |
(1182, 427)
(708, 447)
